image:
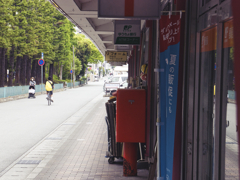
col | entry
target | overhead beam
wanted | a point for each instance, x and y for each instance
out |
(110, 47)
(90, 6)
(87, 6)
(84, 15)
(109, 27)
(91, 23)
(107, 39)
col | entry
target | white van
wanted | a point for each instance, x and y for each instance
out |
(119, 78)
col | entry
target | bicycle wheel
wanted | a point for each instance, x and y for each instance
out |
(49, 99)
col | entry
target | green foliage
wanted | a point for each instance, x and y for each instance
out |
(86, 52)
(83, 79)
(6, 22)
(104, 73)
(35, 26)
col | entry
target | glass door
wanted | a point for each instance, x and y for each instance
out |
(207, 103)
(231, 146)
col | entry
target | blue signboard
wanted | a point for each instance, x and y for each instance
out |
(169, 65)
(71, 71)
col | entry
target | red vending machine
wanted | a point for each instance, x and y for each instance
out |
(130, 125)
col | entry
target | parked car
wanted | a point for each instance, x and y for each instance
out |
(123, 85)
(119, 79)
(108, 79)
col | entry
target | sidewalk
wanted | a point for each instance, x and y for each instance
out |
(75, 150)
(231, 160)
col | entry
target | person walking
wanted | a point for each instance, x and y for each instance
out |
(32, 84)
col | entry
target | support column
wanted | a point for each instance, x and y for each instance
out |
(130, 159)
(236, 29)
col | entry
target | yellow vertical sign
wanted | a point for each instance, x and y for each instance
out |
(115, 56)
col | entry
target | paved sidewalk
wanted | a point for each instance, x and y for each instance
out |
(75, 150)
(231, 160)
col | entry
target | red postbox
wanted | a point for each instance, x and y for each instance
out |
(131, 115)
(130, 125)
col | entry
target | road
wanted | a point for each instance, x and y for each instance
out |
(25, 122)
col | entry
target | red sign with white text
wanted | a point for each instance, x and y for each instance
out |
(169, 33)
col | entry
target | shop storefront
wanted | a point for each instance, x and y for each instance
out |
(210, 136)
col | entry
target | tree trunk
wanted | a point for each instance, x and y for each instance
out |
(1, 72)
(58, 70)
(54, 69)
(18, 68)
(6, 68)
(11, 66)
(61, 71)
(2, 77)
(38, 75)
(23, 70)
(28, 71)
(34, 68)
(44, 70)
(51, 71)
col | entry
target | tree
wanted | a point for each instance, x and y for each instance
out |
(83, 52)
(86, 52)
(5, 35)
(95, 56)
(30, 27)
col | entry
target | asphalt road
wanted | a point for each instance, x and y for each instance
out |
(25, 122)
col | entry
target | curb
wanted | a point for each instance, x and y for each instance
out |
(22, 96)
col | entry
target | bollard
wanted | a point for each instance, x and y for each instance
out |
(130, 159)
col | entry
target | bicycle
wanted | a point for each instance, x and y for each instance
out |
(49, 98)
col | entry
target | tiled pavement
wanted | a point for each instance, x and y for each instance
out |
(75, 150)
(231, 160)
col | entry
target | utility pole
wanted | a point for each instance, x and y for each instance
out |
(71, 75)
(73, 69)
(42, 76)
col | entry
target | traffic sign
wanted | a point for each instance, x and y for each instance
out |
(71, 71)
(41, 62)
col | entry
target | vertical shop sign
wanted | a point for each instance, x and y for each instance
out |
(169, 62)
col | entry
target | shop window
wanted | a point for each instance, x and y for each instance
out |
(231, 148)
(207, 102)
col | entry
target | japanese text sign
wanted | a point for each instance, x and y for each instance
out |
(169, 63)
(115, 56)
(127, 32)
(209, 40)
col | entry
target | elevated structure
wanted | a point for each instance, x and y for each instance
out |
(84, 14)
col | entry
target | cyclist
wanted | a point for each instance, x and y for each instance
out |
(49, 87)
